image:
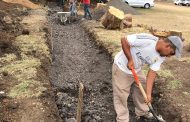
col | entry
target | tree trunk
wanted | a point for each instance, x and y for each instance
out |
(112, 19)
(126, 22)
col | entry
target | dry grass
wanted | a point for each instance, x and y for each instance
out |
(165, 73)
(174, 84)
(7, 58)
(185, 59)
(32, 45)
(25, 72)
(32, 49)
(166, 16)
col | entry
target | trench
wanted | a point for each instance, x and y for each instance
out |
(76, 58)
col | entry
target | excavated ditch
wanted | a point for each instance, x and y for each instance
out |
(76, 58)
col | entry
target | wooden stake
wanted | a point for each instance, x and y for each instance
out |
(80, 102)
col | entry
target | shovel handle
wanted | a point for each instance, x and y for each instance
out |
(137, 81)
(135, 77)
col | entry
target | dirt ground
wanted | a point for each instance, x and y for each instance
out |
(25, 91)
(81, 52)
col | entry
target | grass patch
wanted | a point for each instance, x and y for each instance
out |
(174, 84)
(20, 89)
(165, 73)
(28, 88)
(185, 59)
(32, 45)
(165, 17)
(24, 71)
(21, 67)
(186, 93)
(7, 58)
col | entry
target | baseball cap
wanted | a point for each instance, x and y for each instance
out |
(177, 42)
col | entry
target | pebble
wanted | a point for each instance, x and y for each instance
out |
(2, 92)
(71, 120)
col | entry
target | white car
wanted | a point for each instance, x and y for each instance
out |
(178, 2)
(186, 2)
(140, 3)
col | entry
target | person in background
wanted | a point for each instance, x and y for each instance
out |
(72, 7)
(86, 9)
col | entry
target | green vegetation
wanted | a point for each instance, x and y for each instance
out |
(165, 73)
(174, 84)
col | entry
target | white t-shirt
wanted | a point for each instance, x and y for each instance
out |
(143, 51)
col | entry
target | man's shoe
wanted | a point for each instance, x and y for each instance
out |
(83, 18)
(148, 116)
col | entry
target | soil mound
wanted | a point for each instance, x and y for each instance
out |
(123, 7)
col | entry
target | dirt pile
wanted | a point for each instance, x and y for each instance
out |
(101, 8)
(25, 3)
(123, 7)
(99, 11)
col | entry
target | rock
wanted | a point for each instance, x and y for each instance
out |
(87, 118)
(8, 20)
(13, 105)
(5, 73)
(2, 92)
(71, 120)
(25, 32)
(93, 120)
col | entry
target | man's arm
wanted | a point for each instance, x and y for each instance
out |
(149, 83)
(126, 50)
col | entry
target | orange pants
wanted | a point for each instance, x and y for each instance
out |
(122, 83)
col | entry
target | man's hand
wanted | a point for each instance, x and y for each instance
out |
(130, 65)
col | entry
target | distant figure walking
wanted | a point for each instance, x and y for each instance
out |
(72, 7)
(86, 9)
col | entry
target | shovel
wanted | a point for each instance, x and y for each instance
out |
(157, 117)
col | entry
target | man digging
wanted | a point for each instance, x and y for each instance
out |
(138, 50)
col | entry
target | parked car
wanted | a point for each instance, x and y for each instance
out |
(186, 2)
(178, 2)
(140, 3)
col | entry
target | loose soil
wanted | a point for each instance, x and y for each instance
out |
(174, 104)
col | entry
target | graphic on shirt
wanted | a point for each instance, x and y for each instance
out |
(145, 60)
(142, 51)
